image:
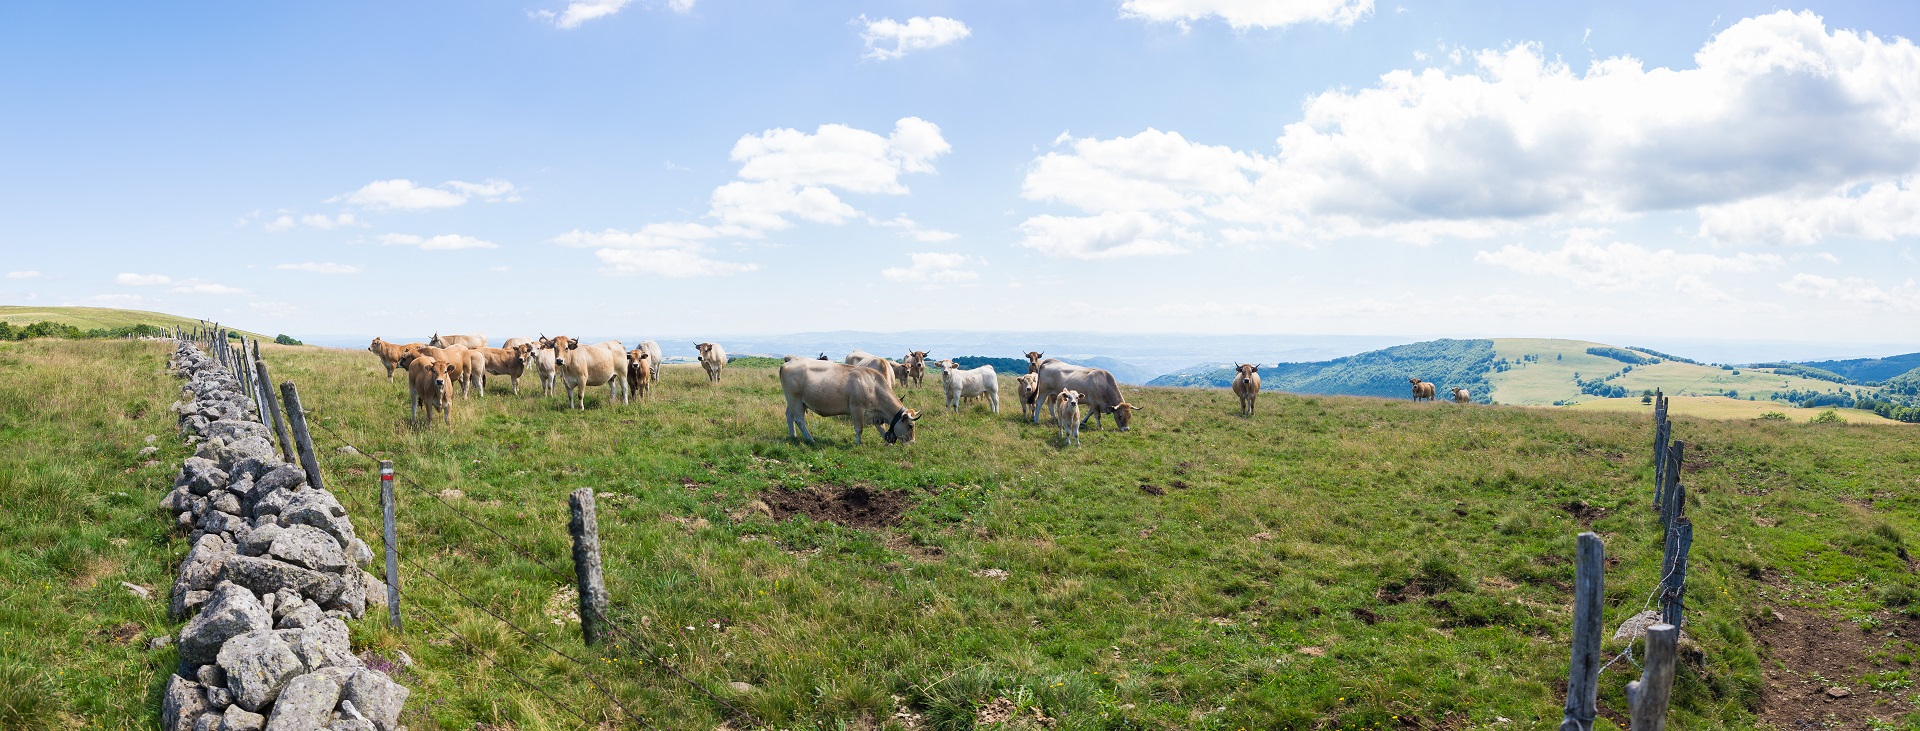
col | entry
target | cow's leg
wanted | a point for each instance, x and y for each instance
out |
(993, 402)
(515, 384)
(413, 409)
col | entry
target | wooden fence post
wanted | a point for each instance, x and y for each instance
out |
(1674, 588)
(273, 408)
(1647, 697)
(392, 538)
(586, 566)
(302, 439)
(1583, 672)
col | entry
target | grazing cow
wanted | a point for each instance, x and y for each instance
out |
(581, 366)
(1421, 389)
(390, 354)
(1460, 396)
(429, 384)
(712, 358)
(916, 365)
(515, 341)
(510, 361)
(878, 364)
(961, 384)
(837, 389)
(447, 341)
(1099, 392)
(1029, 388)
(640, 372)
(1066, 413)
(1033, 361)
(654, 359)
(1246, 385)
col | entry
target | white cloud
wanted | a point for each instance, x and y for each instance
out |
(321, 268)
(581, 11)
(916, 34)
(913, 230)
(1881, 211)
(1774, 106)
(142, 280)
(1102, 236)
(403, 195)
(316, 220)
(444, 242)
(1621, 266)
(932, 268)
(1242, 14)
(786, 175)
(197, 286)
(27, 274)
(1855, 290)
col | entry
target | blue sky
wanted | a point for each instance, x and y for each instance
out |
(1702, 169)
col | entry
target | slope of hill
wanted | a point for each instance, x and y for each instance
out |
(87, 318)
(1868, 369)
(1448, 363)
(1543, 372)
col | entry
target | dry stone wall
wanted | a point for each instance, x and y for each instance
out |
(274, 573)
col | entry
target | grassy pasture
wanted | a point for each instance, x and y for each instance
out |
(87, 318)
(1332, 562)
(1720, 407)
(1549, 380)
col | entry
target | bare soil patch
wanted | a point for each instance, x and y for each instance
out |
(858, 506)
(1583, 512)
(1830, 671)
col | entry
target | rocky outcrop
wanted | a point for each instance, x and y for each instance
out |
(274, 572)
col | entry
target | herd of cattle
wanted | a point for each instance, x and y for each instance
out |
(864, 387)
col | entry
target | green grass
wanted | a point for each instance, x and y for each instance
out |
(1549, 380)
(1255, 592)
(1721, 407)
(87, 318)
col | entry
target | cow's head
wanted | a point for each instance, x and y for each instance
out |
(946, 364)
(1033, 361)
(441, 371)
(900, 427)
(1414, 381)
(407, 353)
(1029, 383)
(523, 353)
(638, 360)
(1123, 415)
(704, 348)
(1247, 369)
(559, 344)
(1071, 398)
(375, 347)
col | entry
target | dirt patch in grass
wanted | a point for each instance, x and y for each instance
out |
(1831, 669)
(858, 506)
(1583, 512)
(124, 633)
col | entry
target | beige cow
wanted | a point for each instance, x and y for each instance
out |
(1422, 390)
(640, 372)
(429, 384)
(1099, 392)
(1066, 413)
(1246, 385)
(916, 362)
(447, 341)
(457, 360)
(390, 354)
(965, 384)
(582, 366)
(510, 361)
(837, 389)
(515, 341)
(1029, 389)
(1460, 396)
(712, 358)
(877, 364)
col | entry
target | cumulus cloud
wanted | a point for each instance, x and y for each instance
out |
(26, 274)
(444, 242)
(287, 221)
(142, 280)
(321, 268)
(1881, 211)
(403, 195)
(580, 11)
(1776, 105)
(1855, 290)
(1619, 265)
(786, 175)
(888, 39)
(932, 268)
(1103, 236)
(1243, 14)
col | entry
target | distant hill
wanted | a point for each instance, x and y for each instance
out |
(87, 318)
(1446, 363)
(1863, 370)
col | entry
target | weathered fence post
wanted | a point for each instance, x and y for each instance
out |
(1647, 697)
(273, 407)
(393, 544)
(1676, 459)
(1583, 672)
(1674, 589)
(302, 439)
(586, 566)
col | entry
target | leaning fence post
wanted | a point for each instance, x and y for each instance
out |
(302, 439)
(1647, 697)
(586, 566)
(393, 544)
(1679, 541)
(273, 407)
(1583, 672)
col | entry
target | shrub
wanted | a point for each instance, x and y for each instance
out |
(1771, 416)
(1827, 417)
(285, 339)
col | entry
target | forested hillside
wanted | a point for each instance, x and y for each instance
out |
(1865, 370)
(1448, 363)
